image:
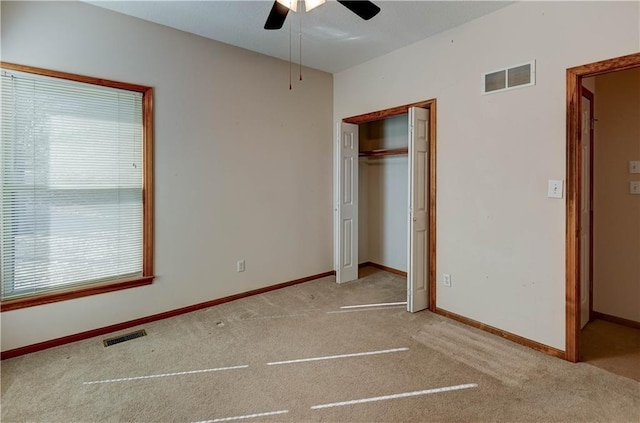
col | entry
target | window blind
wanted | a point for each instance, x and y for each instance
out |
(71, 176)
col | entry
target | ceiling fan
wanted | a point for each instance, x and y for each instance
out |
(365, 9)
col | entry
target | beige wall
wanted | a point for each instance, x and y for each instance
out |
(498, 235)
(243, 165)
(590, 83)
(616, 279)
(383, 205)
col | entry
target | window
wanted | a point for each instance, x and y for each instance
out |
(76, 196)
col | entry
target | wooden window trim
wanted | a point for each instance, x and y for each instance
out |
(147, 196)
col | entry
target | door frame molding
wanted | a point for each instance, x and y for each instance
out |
(431, 182)
(574, 190)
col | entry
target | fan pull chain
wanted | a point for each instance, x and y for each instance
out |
(300, 32)
(290, 55)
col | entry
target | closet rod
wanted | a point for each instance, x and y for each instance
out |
(384, 152)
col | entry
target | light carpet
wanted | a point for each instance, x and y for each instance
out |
(387, 365)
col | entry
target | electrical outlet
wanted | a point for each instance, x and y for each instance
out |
(634, 166)
(634, 187)
(240, 266)
(446, 280)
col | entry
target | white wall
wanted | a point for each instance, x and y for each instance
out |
(388, 202)
(616, 213)
(383, 207)
(498, 235)
(363, 209)
(243, 166)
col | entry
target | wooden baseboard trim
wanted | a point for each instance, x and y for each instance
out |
(617, 320)
(143, 320)
(385, 268)
(503, 334)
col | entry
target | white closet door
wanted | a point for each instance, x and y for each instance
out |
(346, 239)
(418, 245)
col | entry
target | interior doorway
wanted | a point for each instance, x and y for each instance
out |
(415, 125)
(610, 278)
(578, 189)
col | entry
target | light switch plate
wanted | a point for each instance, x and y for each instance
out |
(634, 166)
(555, 188)
(634, 187)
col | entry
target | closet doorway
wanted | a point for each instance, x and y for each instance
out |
(384, 185)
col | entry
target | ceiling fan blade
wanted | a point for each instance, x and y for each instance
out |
(276, 17)
(365, 9)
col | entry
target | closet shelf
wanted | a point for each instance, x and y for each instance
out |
(384, 152)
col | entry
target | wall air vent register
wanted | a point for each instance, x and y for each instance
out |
(518, 76)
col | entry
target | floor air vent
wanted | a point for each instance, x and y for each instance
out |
(122, 338)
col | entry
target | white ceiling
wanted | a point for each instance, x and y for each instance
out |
(334, 38)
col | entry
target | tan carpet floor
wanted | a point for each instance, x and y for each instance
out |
(612, 347)
(168, 375)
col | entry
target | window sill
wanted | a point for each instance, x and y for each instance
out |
(71, 294)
